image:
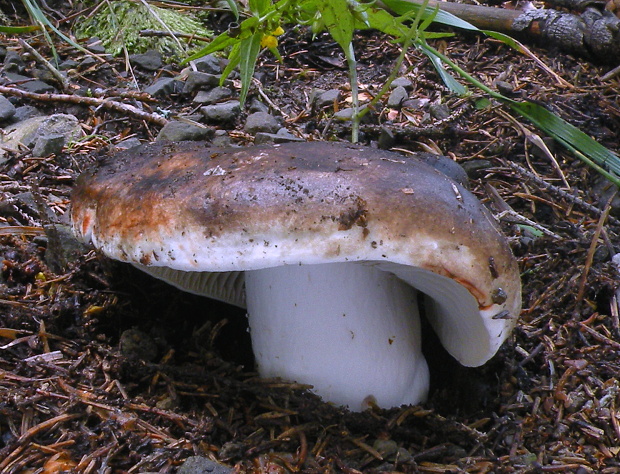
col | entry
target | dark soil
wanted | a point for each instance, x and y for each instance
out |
(76, 395)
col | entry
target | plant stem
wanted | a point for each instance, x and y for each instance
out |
(393, 73)
(355, 117)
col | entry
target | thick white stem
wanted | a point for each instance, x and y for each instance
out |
(350, 330)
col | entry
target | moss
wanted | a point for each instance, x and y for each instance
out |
(119, 23)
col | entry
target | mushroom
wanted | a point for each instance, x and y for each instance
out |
(329, 246)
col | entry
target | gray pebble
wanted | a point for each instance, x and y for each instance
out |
(261, 122)
(164, 87)
(397, 97)
(217, 94)
(25, 112)
(128, 143)
(209, 63)
(202, 465)
(177, 131)
(327, 98)
(222, 112)
(402, 82)
(149, 61)
(257, 106)
(13, 62)
(221, 139)
(200, 81)
(283, 136)
(48, 144)
(7, 109)
(29, 84)
(439, 111)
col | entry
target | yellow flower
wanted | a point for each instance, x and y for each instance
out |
(269, 41)
(278, 31)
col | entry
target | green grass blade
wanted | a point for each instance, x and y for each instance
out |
(17, 30)
(233, 8)
(568, 134)
(250, 47)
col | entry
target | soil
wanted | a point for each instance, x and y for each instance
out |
(103, 369)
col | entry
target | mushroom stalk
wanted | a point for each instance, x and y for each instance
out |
(349, 329)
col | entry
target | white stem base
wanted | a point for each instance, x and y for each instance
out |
(350, 330)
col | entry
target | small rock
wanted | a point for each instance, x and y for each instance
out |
(439, 111)
(386, 447)
(209, 63)
(14, 207)
(202, 465)
(615, 260)
(602, 191)
(386, 138)
(261, 122)
(128, 143)
(25, 112)
(60, 124)
(200, 81)
(402, 82)
(327, 98)
(257, 106)
(94, 45)
(505, 88)
(149, 61)
(283, 136)
(7, 109)
(223, 112)
(397, 97)
(136, 344)
(49, 144)
(164, 87)
(178, 131)
(43, 74)
(476, 168)
(13, 62)
(87, 62)
(221, 139)
(68, 64)
(217, 94)
(29, 84)
(27, 132)
(346, 114)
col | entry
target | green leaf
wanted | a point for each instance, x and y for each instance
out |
(403, 7)
(383, 21)
(568, 134)
(17, 30)
(234, 57)
(483, 103)
(249, 49)
(449, 80)
(223, 41)
(233, 8)
(260, 7)
(339, 21)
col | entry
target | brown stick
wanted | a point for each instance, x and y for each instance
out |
(89, 101)
(485, 18)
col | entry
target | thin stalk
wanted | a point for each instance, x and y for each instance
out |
(355, 125)
(393, 73)
(517, 106)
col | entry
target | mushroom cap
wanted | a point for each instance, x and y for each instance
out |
(193, 208)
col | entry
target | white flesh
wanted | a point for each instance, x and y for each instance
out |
(350, 330)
